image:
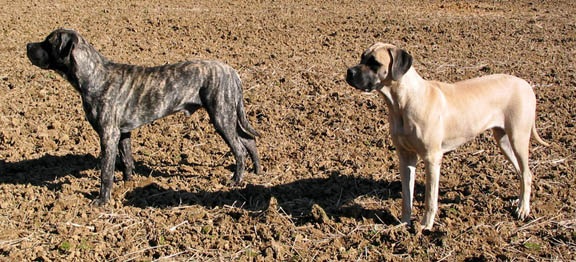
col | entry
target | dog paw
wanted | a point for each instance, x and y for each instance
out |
(522, 211)
(257, 171)
(127, 178)
(426, 228)
(234, 183)
(427, 224)
(237, 179)
(98, 202)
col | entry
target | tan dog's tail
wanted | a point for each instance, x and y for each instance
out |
(537, 137)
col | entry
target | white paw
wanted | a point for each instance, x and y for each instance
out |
(427, 224)
(523, 210)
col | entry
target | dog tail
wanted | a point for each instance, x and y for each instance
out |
(242, 119)
(537, 137)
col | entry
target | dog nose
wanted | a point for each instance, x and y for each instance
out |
(29, 47)
(351, 73)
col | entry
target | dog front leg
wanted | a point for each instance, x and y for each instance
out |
(408, 162)
(432, 163)
(126, 156)
(109, 140)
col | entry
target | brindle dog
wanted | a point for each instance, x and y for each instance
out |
(118, 98)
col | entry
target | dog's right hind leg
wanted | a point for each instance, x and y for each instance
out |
(503, 142)
(250, 145)
(225, 125)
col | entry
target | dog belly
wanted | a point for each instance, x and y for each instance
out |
(408, 143)
(451, 144)
(155, 100)
(130, 124)
(133, 121)
(466, 127)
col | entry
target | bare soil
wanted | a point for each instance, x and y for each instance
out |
(330, 190)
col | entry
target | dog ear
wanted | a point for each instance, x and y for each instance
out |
(401, 62)
(67, 43)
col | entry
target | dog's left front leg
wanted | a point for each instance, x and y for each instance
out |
(109, 140)
(126, 156)
(432, 164)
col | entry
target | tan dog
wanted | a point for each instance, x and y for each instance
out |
(430, 118)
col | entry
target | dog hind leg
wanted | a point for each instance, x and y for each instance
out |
(239, 152)
(250, 145)
(503, 142)
(520, 146)
(225, 125)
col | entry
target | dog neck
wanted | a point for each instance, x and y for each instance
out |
(400, 95)
(84, 76)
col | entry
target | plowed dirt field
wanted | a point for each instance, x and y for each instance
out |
(330, 188)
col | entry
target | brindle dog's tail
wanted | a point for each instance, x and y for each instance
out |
(242, 119)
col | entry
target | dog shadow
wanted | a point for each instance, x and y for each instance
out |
(335, 194)
(45, 170)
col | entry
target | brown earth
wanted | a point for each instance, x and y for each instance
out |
(330, 189)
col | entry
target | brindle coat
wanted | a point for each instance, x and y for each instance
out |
(118, 98)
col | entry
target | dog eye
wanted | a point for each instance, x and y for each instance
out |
(373, 64)
(45, 45)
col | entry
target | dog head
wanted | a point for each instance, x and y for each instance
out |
(55, 51)
(379, 65)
